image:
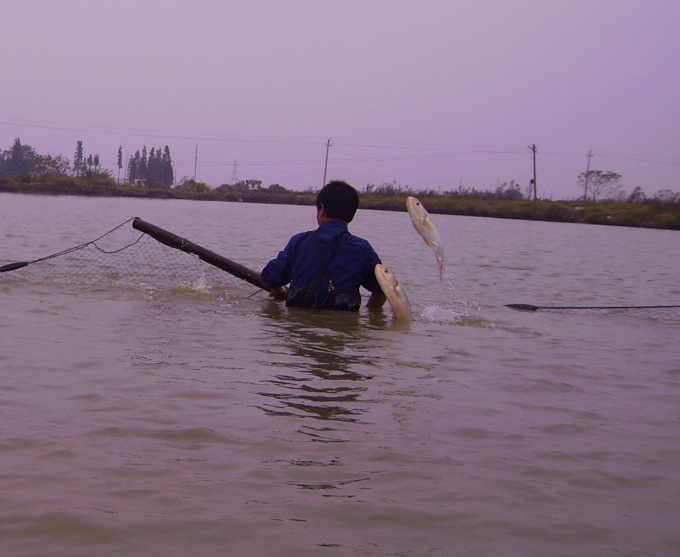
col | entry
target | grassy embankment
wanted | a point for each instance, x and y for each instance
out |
(647, 214)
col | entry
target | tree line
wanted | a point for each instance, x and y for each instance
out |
(23, 161)
(156, 168)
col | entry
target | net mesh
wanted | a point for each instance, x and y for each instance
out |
(123, 256)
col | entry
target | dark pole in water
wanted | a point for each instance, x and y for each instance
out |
(529, 307)
(182, 244)
(13, 266)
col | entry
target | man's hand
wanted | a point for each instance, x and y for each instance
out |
(279, 293)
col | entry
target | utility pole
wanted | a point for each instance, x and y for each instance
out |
(325, 168)
(585, 189)
(533, 150)
(196, 162)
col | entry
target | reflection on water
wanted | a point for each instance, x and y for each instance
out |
(326, 361)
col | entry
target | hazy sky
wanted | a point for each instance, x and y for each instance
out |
(430, 94)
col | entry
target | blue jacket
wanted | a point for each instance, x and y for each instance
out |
(299, 262)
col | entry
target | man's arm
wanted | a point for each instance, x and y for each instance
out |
(376, 300)
(276, 274)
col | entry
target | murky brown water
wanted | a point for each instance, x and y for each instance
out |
(153, 421)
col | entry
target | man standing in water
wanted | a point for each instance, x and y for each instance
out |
(326, 267)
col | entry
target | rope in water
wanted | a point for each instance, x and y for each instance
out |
(20, 264)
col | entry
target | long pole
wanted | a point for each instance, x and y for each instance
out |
(325, 168)
(533, 149)
(196, 162)
(585, 189)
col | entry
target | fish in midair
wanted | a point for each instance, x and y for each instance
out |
(395, 294)
(424, 226)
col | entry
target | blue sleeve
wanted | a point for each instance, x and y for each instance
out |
(370, 283)
(278, 271)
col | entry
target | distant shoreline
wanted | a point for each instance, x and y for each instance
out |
(646, 214)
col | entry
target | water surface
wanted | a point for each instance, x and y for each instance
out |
(190, 415)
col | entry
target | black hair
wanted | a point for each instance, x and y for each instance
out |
(340, 200)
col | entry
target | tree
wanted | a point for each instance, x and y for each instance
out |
(43, 167)
(133, 168)
(667, 196)
(141, 167)
(168, 174)
(152, 166)
(17, 159)
(120, 161)
(85, 165)
(637, 196)
(194, 187)
(78, 160)
(509, 190)
(600, 183)
(156, 168)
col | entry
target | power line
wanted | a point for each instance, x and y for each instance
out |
(163, 134)
(616, 156)
(417, 151)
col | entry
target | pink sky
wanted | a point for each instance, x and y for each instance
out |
(430, 94)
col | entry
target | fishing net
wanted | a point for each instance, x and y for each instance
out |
(123, 257)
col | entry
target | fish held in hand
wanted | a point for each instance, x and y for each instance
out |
(424, 226)
(396, 296)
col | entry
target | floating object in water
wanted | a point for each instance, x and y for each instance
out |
(424, 226)
(13, 266)
(395, 294)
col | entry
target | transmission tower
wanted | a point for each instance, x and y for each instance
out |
(234, 174)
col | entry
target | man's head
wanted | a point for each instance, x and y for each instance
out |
(340, 201)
